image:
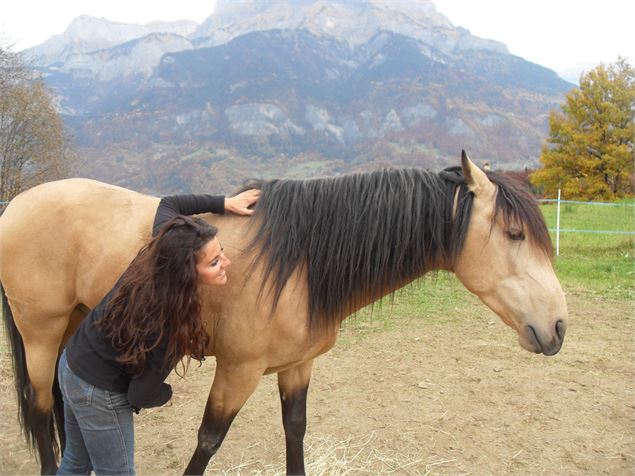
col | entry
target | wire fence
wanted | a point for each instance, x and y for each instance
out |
(628, 219)
(575, 202)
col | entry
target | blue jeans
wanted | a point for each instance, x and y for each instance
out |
(99, 427)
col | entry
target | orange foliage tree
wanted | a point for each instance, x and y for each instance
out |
(589, 152)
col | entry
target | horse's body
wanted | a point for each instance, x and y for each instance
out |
(64, 244)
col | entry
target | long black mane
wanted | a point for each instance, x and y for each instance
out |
(364, 235)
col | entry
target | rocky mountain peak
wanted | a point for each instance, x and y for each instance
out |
(350, 21)
(86, 34)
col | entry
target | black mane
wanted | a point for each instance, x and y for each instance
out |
(363, 235)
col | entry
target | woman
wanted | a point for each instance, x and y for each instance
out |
(119, 357)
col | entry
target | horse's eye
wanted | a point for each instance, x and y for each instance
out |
(516, 235)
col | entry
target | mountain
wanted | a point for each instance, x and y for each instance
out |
(351, 21)
(300, 88)
(87, 34)
(138, 56)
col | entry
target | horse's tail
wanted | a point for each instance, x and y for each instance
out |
(26, 411)
(16, 349)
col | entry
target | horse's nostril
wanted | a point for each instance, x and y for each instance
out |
(561, 328)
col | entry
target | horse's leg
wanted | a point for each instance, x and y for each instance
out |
(294, 385)
(41, 337)
(41, 358)
(76, 317)
(231, 388)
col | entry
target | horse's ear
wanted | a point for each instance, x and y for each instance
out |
(477, 181)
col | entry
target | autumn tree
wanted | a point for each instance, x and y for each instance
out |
(33, 144)
(589, 152)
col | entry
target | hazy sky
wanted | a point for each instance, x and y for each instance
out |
(559, 34)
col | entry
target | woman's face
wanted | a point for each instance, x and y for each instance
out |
(212, 263)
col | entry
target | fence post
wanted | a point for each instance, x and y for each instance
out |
(558, 226)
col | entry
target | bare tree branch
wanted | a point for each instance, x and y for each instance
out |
(34, 147)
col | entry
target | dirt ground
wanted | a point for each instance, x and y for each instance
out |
(417, 397)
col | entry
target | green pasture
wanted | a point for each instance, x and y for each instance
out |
(602, 265)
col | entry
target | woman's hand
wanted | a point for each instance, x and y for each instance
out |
(239, 204)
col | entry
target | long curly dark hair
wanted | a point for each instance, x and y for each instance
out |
(157, 302)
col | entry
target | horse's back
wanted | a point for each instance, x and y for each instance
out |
(85, 194)
(70, 239)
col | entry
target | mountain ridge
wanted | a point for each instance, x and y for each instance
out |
(298, 98)
(86, 34)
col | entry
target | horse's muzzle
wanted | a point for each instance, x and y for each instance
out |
(539, 343)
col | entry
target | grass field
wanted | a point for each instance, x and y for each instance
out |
(602, 264)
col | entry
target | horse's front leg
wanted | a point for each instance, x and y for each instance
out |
(294, 385)
(233, 384)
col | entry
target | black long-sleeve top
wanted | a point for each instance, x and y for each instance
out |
(93, 358)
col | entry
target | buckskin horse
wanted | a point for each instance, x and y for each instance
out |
(314, 252)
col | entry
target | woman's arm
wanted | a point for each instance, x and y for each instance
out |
(174, 205)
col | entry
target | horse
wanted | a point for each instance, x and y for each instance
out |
(314, 252)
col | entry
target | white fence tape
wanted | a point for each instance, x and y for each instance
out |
(559, 230)
(608, 204)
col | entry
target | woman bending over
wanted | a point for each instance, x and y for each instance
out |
(122, 352)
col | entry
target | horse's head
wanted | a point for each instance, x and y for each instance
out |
(506, 261)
